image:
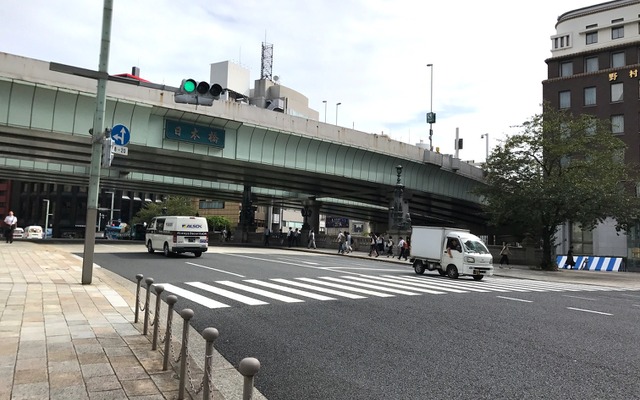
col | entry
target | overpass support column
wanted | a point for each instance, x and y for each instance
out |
(311, 218)
(247, 216)
(399, 217)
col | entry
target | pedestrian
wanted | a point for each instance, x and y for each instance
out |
(504, 255)
(223, 236)
(296, 238)
(390, 247)
(341, 240)
(401, 248)
(570, 261)
(290, 237)
(380, 243)
(267, 233)
(407, 248)
(11, 222)
(312, 239)
(373, 246)
(347, 242)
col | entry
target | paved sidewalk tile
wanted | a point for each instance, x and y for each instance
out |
(60, 339)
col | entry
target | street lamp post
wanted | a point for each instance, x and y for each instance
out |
(325, 111)
(46, 218)
(486, 136)
(337, 104)
(431, 110)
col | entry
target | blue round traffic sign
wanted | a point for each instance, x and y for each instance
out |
(120, 135)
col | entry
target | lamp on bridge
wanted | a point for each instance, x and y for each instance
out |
(325, 111)
(337, 104)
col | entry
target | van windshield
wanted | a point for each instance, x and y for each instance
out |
(475, 246)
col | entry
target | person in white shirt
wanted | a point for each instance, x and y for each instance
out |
(11, 222)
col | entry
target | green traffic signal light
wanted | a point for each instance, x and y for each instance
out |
(189, 85)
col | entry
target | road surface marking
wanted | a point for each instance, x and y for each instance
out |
(226, 293)
(578, 297)
(260, 292)
(514, 299)
(589, 311)
(213, 269)
(205, 301)
(289, 290)
(319, 289)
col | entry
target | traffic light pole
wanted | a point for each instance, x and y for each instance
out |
(96, 146)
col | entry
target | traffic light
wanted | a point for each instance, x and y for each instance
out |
(199, 93)
(107, 154)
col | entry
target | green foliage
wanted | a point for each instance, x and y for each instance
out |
(174, 205)
(218, 222)
(559, 168)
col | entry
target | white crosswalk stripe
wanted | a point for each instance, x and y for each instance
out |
(253, 292)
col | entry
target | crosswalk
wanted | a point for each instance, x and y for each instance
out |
(256, 292)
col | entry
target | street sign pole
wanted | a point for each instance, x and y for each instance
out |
(96, 147)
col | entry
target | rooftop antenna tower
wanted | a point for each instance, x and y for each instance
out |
(267, 60)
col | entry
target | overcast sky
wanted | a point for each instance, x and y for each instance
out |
(369, 55)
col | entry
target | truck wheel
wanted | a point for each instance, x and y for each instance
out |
(418, 266)
(165, 250)
(442, 272)
(149, 247)
(478, 277)
(452, 272)
(197, 253)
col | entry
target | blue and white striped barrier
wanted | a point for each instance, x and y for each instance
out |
(592, 263)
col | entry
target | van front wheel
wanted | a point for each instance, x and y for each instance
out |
(452, 272)
(165, 250)
(197, 253)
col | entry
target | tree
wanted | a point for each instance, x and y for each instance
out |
(218, 222)
(174, 205)
(559, 168)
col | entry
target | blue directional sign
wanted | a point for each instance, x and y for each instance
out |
(120, 135)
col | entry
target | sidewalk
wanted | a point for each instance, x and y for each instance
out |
(60, 339)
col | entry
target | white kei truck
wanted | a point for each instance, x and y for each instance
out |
(176, 234)
(469, 256)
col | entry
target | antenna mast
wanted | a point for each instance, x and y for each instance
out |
(267, 60)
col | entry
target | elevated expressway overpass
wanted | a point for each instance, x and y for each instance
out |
(287, 161)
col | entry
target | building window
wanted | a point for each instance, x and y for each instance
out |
(617, 92)
(581, 240)
(211, 205)
(617, 32)
(566, 68)
(565, 99)
(561, 42)
(591, 64)
(617, 60)
(617, 124)
(590, 96)
(592, 37)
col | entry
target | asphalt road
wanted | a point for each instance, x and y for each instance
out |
(428, 337)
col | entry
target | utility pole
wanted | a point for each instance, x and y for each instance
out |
(96, 146)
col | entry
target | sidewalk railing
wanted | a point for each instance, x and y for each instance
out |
(248, 367)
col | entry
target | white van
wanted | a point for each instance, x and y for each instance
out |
(33, 232)
(177, 235)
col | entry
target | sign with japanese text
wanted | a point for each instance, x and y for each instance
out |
(192, 133)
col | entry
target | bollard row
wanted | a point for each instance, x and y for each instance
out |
(248, 367)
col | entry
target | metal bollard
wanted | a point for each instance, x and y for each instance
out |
(139, 278)
(171, 300)
(156, 317)
(145, 328)
(186, 314)
(248, 367)
(209, 334)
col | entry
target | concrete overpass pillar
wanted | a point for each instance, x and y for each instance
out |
(247, 216)
(311, 218)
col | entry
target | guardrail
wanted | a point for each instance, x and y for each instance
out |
(248, 366)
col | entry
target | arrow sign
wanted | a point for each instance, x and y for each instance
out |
(120, 135)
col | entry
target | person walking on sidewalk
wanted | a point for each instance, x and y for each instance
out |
(504, 255)
(373, 246)
(390, 247)
(401, 249)
(341, 240)
(11, 222)
(312, 239)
